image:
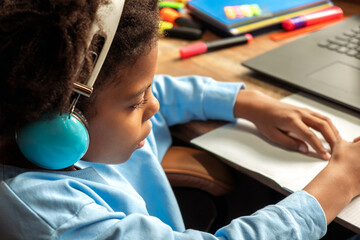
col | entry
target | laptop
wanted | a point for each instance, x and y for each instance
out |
(325, 63)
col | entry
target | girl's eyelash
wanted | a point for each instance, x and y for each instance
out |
(140, 104)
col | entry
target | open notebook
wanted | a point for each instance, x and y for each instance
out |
(241, 144)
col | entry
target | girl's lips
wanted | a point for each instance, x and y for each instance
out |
(141, 144)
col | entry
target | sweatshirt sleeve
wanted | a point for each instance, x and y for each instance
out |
(195, 98)
(82, 211)
(298, 216)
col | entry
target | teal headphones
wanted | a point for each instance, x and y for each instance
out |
(57, 141)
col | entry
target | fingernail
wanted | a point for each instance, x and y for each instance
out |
(303, 148)
(327, 156)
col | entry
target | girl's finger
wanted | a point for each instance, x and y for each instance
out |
(331, 124)
(323, 127)
(287, 141)
(305, 134)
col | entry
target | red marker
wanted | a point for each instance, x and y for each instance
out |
(196, 49)
(324, 15)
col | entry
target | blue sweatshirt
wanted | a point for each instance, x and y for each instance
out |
(134, 200)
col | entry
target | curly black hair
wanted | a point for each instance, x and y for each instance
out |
(40, 45)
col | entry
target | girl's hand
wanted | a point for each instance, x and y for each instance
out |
(345, 161)
(339, 182)
(285, 124)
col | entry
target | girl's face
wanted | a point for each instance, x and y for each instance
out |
(122, 114)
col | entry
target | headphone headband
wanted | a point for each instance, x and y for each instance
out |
(108, 17)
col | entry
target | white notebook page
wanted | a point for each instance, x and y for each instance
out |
(241, 144)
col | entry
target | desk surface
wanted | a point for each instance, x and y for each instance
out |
(225, 65)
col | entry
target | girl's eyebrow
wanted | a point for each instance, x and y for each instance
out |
(141, 91)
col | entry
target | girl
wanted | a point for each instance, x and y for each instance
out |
(119, 190)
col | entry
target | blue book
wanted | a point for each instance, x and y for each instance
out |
(212, 11)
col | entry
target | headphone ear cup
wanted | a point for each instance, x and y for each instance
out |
(55, 141)
(81, 117)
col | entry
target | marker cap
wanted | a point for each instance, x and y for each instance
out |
(294, 23)
(163, 26)
(169, 15)
(192, 50)
(249, 37)
(288, 25)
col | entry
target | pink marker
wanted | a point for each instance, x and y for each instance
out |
(324, 15)
(203, 47)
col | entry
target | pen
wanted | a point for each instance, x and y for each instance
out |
(312, 18)
(203, 47)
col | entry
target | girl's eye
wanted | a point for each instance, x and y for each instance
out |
(140, 104)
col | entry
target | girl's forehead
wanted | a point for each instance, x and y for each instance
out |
(129, 79)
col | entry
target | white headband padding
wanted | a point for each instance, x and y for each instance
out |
(108, 16)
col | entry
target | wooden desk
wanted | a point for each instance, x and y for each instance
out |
(225, 65)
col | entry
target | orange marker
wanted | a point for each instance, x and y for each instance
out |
(170, 15)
